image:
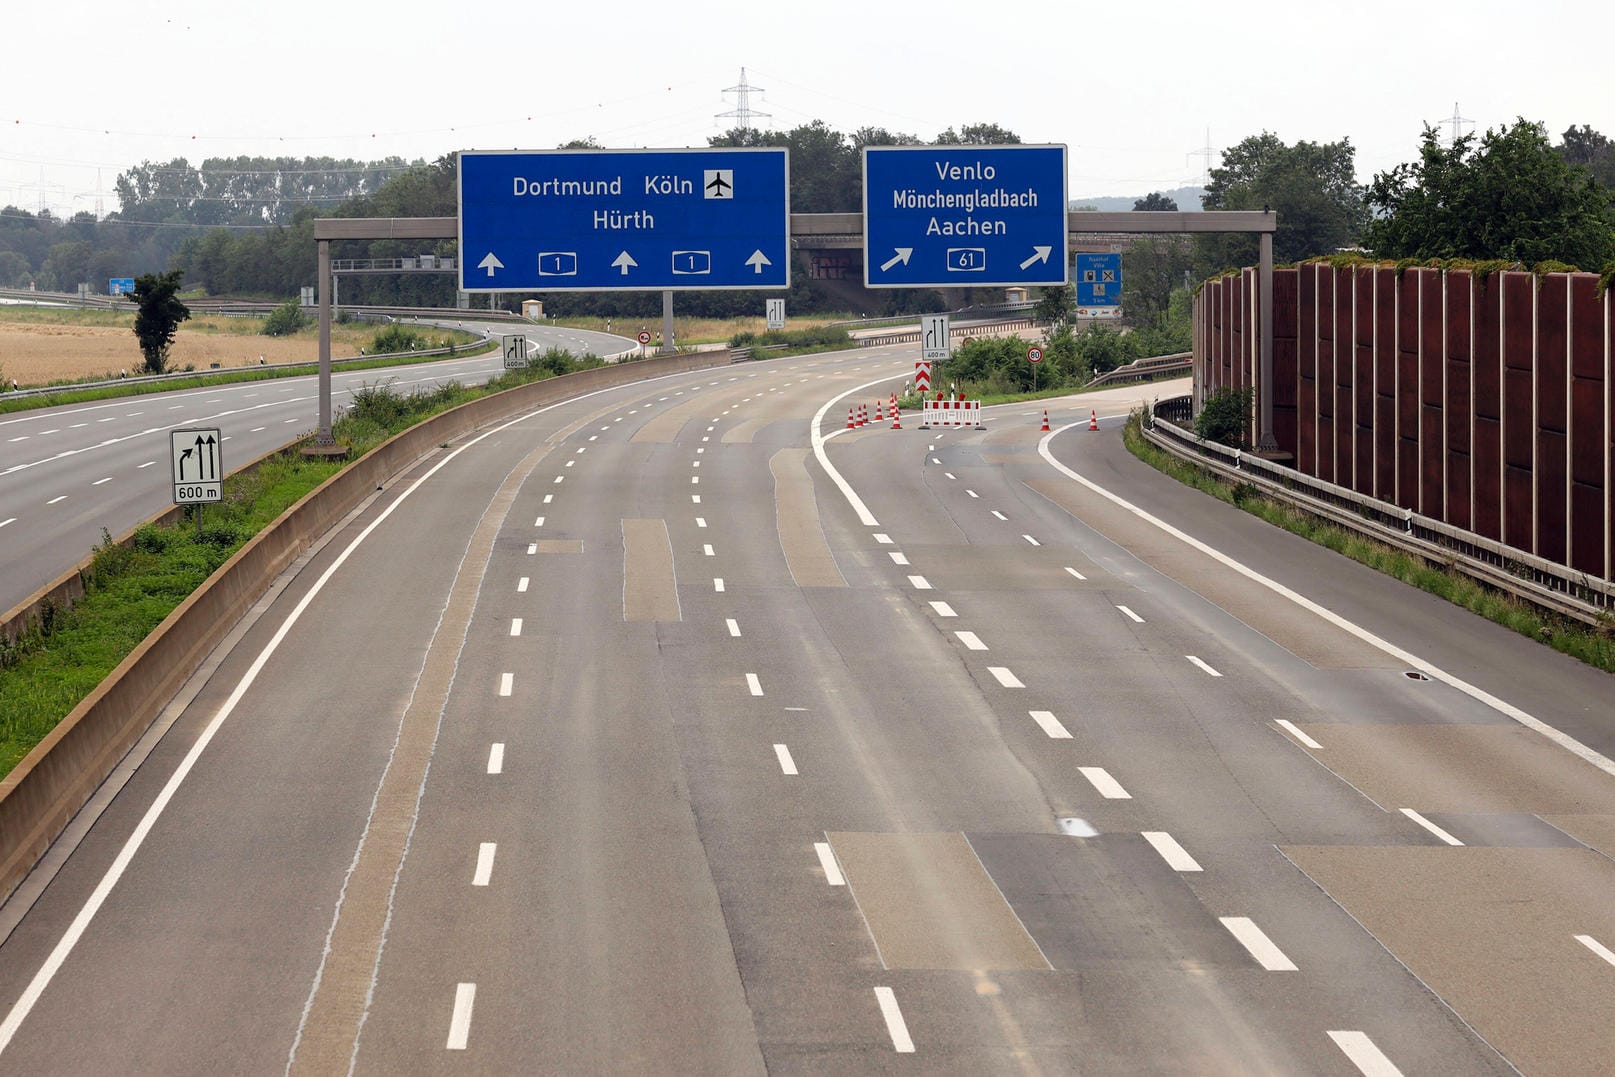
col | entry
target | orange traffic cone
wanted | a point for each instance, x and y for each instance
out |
(897, 422)
(880, 415)
(1045, 418)
(1093, 419)
(850, 424)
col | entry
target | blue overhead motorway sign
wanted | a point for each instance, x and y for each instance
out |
(961, 216)
(599, 220)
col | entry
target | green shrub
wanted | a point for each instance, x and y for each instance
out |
(1225, 417)
(285, 320)
(393, 339)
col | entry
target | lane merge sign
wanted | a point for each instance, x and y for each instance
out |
(935, 337)
(964, 216)
(776, 313)
(514, 347)
(198, 462)
(615, 220)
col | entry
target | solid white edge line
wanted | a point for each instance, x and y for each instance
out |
(1597, 947)
(754, 685)
(1254, 939)
(1050, 725)
(818, 438)
(787, 765)
(496, 757)
(895, 1026)
(465, 998)
(1295, 731)
(484, 869)
(1431, 827)
(1176, 856)
(1564, 740)
(1367, 1057)
(47, 971)
(1108, 787)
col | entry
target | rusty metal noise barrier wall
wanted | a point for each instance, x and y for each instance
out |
(1545, 583)
(43, 793)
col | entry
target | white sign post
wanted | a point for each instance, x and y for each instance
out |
(934, 345)
(514, 346)
(776, 314)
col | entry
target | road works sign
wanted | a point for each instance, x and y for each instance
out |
(582, 220)
(198, 465)
(962, 216)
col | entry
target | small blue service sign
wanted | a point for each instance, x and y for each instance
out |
(961, 216)
(604, 220)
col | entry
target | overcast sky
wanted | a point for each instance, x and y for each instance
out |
(1131, 88)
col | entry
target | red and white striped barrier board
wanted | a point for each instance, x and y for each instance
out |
(950, 413)
(922, 377)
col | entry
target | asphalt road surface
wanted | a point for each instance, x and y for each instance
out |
(68, 472)
(629, 738)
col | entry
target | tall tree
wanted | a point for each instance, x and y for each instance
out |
(1312, 187)
(159, 317)
(1591, 150)
(978, 134)
(1155, 202)
(1511, 197)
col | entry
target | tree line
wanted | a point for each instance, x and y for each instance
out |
(244, 226)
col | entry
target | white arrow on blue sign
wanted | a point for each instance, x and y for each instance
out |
(601, 220)
(962, 216)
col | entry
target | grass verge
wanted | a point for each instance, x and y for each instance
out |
(130, 589)
(1594, 646)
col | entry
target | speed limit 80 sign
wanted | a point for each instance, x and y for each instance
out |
(1034, 354)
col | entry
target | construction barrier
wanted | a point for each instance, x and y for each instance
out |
(950, 413)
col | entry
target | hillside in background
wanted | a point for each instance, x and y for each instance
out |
(1187, 198)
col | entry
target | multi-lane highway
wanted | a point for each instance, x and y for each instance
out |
(68, 472)
(675, 729)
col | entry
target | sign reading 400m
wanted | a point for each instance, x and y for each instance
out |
(596, 220)
(961, 216)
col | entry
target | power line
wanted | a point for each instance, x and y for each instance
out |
(1456, 122)
(1205, 152)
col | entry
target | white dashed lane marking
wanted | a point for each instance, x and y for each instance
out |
(1269, 956)
(1176, 857)
(496, 758)
(1050, 725)
(787, 765)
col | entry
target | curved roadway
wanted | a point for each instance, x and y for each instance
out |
(627, 738)
(68, 472)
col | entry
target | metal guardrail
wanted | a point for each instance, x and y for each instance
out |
(1144, 369)
(913, 335)
(1578, 595)
(992, 310)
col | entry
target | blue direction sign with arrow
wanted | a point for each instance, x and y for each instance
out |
(601, 220)
(961, 216)
(1099, 280)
